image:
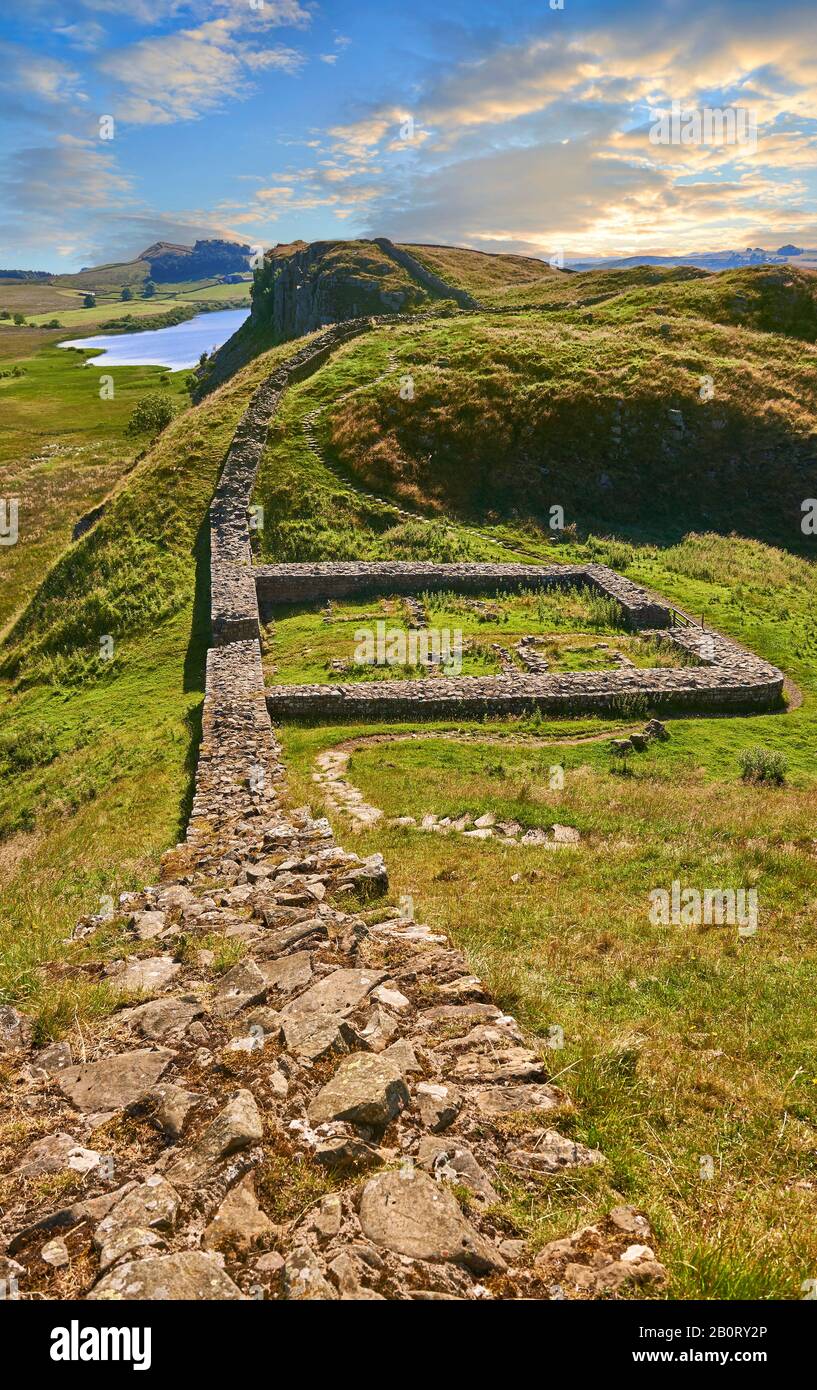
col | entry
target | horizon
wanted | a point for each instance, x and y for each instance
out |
(525, 128)
(572, 259)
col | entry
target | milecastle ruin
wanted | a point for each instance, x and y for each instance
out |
(349, 1043)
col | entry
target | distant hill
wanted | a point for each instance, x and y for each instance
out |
(703, 260)
(304, 286)
(162, 248)
(166, 262)
(25, 275)
(203, 260)
(114, 276)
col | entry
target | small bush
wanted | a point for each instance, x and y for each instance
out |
(603, 611)
(151, 414)
(37, 749)
(763, 765)
(630, 706)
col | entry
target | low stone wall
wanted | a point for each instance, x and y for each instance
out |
(303, 583)
(473, 697)
(424, 276)
(234, 603)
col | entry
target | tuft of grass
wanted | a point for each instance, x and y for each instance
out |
(766, 765)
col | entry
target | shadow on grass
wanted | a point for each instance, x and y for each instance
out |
(195, 664)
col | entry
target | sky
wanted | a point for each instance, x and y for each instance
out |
(516, 126)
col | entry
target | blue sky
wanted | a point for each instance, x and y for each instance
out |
(508, 126)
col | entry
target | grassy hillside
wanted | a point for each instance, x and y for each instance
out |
(305, 285)
(97, 755)
(489, 278)
(62, 449)
(113, 276)
(311, 511)
(612, 418)
(770, 299)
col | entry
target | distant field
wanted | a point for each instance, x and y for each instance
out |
(217, 292)
(62, 449)
(63, 299)
(109, 310)
(31, 297)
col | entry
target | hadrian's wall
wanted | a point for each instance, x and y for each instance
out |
(424, 276)
(349, 1053)
(348, 579)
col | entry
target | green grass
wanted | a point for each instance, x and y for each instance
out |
(312, 512)
(679, 1042)
(62, 450)
(579, 633)
(511, 416)
(491, 279)
(106, 784)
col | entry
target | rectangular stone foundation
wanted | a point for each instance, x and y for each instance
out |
(313, 583)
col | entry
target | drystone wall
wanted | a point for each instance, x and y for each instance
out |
(348, 579)
(424, 276)
(234, 605)
(297, 1125)
(729, 680)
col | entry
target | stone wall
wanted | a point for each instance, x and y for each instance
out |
(728, 678)
(424, 276)
(234, 604)
(346, 579)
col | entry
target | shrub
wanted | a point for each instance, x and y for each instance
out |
(151, 414)
(603, 611)
(763, 765)
(37, 749)
(631, 705)
(19, 318)
(89, 302)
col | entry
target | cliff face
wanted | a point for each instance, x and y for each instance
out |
(306, 287)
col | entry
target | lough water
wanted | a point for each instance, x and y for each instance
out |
(177, 347)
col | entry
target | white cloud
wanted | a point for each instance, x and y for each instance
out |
(45, 79)
(185, 75)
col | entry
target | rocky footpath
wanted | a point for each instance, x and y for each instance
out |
(299, 1095)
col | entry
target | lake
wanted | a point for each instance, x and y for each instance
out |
(177, 347)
